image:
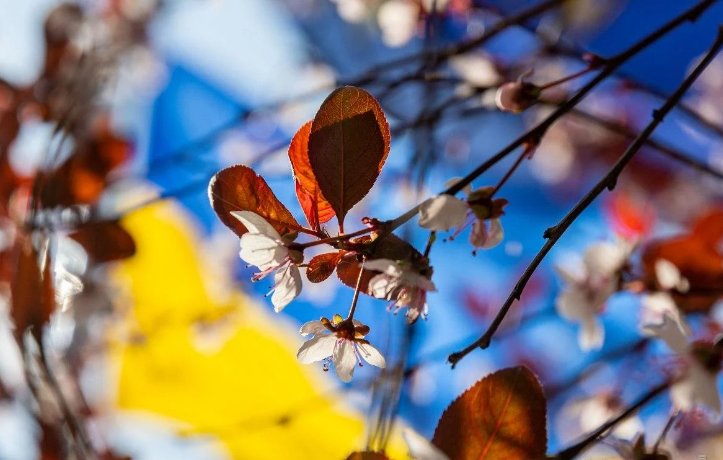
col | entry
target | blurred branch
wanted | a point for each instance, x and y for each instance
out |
(576, 449)
(553, 234)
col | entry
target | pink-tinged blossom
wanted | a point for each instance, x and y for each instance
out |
(697, 385)
(263, 247)
(588, 289)
(444, 212)
(342, 342)
(402, 285)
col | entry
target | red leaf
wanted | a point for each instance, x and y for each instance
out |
(105, 241)
(501, 416)
(348, 145)
(322, 266)
(699, 258)
(316, 208)
(33, 297)
(238, 188)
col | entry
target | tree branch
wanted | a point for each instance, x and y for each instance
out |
(553, 234)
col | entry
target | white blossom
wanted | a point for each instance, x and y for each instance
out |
(442, 212)
(342, 342)
(659, 304)
(401, 285)
(263, 247)
(698, 383)
(588, 289)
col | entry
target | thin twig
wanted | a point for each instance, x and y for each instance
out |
(553, 234)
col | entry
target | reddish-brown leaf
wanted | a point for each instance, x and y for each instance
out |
(501, 416)
(33, 298)
(322, 266)
(316, 208)
(105, 241)
(367, 455)
(348, 145)
(239, 188)
(709, 228)
(85, 175)
(698, 263)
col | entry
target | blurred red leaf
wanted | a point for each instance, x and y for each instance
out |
(709, 228)
(239, 188)
(316, 208)
(33, 297)
(50, 443)
(348, 145)
(322, 266)
(501, 416)
(629, 217)
(105, 241)
(84, 176)
(698, 256)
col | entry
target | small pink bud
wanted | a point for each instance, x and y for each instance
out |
(516, 96)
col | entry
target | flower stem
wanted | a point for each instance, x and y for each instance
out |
(354, 300)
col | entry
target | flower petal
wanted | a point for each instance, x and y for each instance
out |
(254, 223)
(316, 349)
(381, 286)
(705, 387)
(671, 334)
(484, 237)
(420, 448)
(655, 306)
(591, 335)
(313, 328)
(387, 266)
(371, 355)
(606, 258)
(573, 304)
(442, 212)
(344, 360)
(262, 251)
(287, 285)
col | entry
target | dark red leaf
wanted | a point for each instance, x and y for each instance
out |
(348, 145)
(316, 208)
(33, 298)
(322, 266)
(105, 241)
(239, 188)
(501, 416)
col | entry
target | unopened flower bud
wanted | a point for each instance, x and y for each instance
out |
(516, 96)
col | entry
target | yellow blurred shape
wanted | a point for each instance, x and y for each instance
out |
(249, 391)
